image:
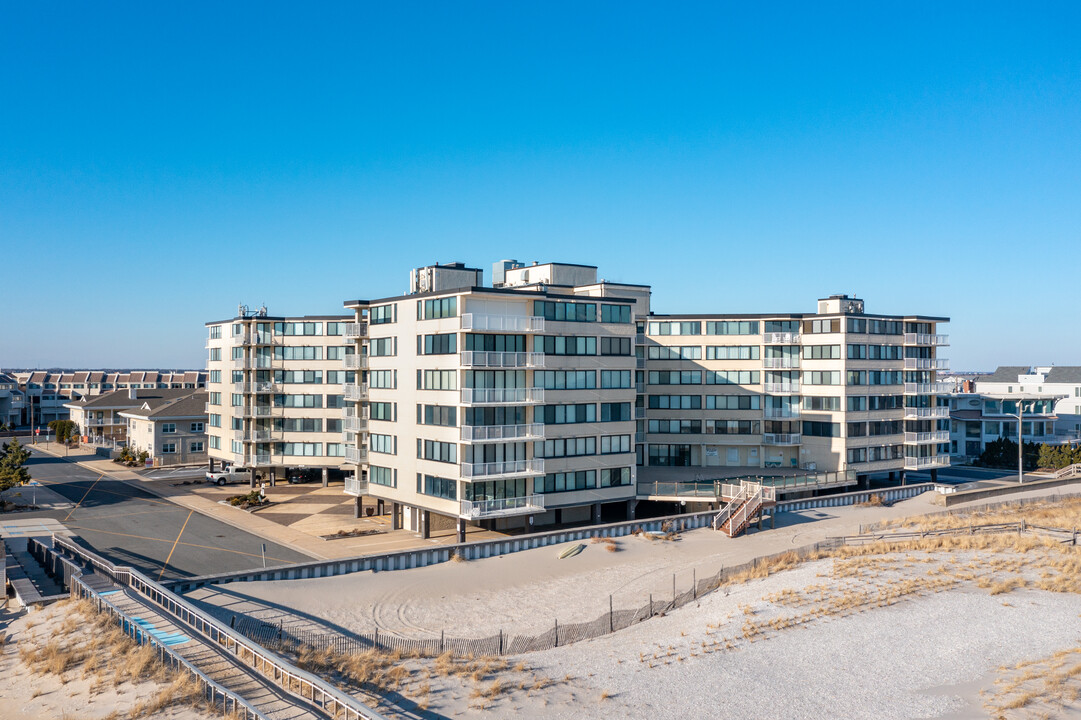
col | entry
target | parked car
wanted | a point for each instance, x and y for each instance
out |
(303, 476)
(229, 475)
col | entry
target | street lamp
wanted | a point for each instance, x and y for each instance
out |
(1020, 415)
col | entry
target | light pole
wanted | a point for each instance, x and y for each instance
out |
(1020, 415)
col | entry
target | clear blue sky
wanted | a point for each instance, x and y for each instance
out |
(162, 162)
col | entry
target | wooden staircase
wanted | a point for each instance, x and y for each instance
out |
(745, 505)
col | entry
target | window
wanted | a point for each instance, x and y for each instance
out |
(298, 424)
(215, 442)
(733, 377)
(438, 308)
(385, 411)
(733, 402)
(238, 376)
(335, 449)
(383, 314)
(386, 444)
(732, 352)
(334, 425)
(615, 412)
(215, 420)
(215, 354)
(781, 326)
(437, 415)
(565, 447)
(566, 311)
(437, 451)
(616, 346)
(168, 448)
(885, 402)
(857, 352)
(215, 398)
(437, 487)
(298, 377)
(215, 376)
(616, 379)
(822, 326)
(215, 332)
(732, 327)
(822, 352)
(384, 476)
(300, 449)
(822, 377)
(675, 328)
(168, 428)
(437, 380)
(383, 379)
(616, 313)
(676, 352)
(675, 427)
(298, 328)
(339, 377)
(565, 482)
(565, 345)
(495, 343)
(670, 455)
(565, 414)
(337, 352)
(498, 489)
(884, 352)
(733, 427)
(299, 352)
(856, 403)
(445, 344)
(383, 347)
(196, 447)
(335, 401)
(856, 429)
(675, 377)
(298, 401)
(565, 379)
(821, 429)
(336, 328)
(197, 427)
(615, 444)
(675, 402)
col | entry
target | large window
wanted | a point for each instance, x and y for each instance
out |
(565, 482)
(675, 427)
(733, 402)
(437, 415)
(615, 444)
(615, 412)
(732, 352)
(495, 343)
(732, 327)
(675, 328)
(821, 429)
(566, 311)
(565, 414)
(616, 379)
(383, 347)
(387, 477)
(443, 344)
(386, 444)
(565, 379)
(733, 377)
(670, 455)
(733, 427)
(821, 352)
(437, 487)
(565, 447)
(298, 328)
(675, 402)
(822, 404)
(565, 345)
(382, 411)
(437, 379)
(437, 308)
(437, 451)
(298, 424)
(382, 314)
(298, 377)
(674, 352)
(305, 352)
(675, 377)
(616, 313)
(822, 377)
(616, 346)
(383, 379)
(298, 401)
(300, 449)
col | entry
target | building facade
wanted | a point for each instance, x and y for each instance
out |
(977, 419)
(276, 393)
(1061, 381)
(98, 418)
(171, 432)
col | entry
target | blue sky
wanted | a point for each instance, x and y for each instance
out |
(161, 163)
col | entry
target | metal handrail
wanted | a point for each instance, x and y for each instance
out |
(525, 504)
(484, 358)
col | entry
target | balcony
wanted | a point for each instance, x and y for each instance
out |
(356, 330)
(254, 387)
(264, 338)
(475, 358)
(356, 361)
(927, 364)
(503, 323)
(780, 363)
(254, 411)
(355, 486)
(355, 455)
(506, 468)
(782, 413)
(501, 396)
(248, 363)
(924, 438)
(355, 391)
(502, 507)
(927, 388)
(913, 413)
(354, 424)
(781, 439)
(238, 459)
(500, 433)
(788, 388)
(640, 363)
(639, 413)
(261, 458)
(639, 437)
(927, 463)
(640, 388)
(99, 422)
(926, 339)
(781, 338)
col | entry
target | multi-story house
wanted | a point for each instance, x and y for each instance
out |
(12, 400)
(172, 432)
(1061, 381)
(835, 390)
(275, 393)
(98, 418)
(979, 418)
(508, 407)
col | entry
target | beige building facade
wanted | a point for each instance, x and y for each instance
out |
(172, 432)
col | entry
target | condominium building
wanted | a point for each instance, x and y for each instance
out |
(508, 406)
(836, 390)
(12, 400)
(275, 393)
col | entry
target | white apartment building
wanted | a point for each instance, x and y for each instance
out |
(1062, 381)
(275, 393)
(507, 407)
(977, 419)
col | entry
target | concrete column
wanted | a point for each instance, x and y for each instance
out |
(326, 477)
(892, 475)
(425, 524)
(395, 516)
(357, 507)
(211, 464)
(596, 513)
(631, 505)
(461, 530)
(273, 477)
(559, 515)
(379, 507)
(934, 474)
(252, 480)
(902, 477)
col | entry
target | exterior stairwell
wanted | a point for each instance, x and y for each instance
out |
(743, 508)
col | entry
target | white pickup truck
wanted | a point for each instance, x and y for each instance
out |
(229, 475)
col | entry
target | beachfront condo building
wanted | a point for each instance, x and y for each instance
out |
(276, 394)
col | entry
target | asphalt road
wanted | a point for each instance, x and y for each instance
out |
(131, 526)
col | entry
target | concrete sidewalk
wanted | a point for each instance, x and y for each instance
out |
(299, 517)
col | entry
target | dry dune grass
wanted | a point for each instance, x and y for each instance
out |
(91, 647)
(1047, 687)
(1060, 513)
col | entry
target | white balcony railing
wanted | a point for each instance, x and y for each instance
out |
(247, 363)
(264, 337)
(639, 413)
(503, 323)
(927, 364)
(506, 468)
(355, 486)
(927, 463)
(354, 424)
(780, 363)
(356, 361)
(926, 339)
(914, 413)
(781, 439)
(98, 422)
(261, 458)
(501, 396)
(927, 388)
(256, 411)
(788, 388)
(356, 330)
(496, 433)
(355, 391)
(782, 413)
(254, 387)
(640, 388)
(921, 438)
(355, 455)
(239, 459)
(502, 507)
(476, 358)
(780, 338)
